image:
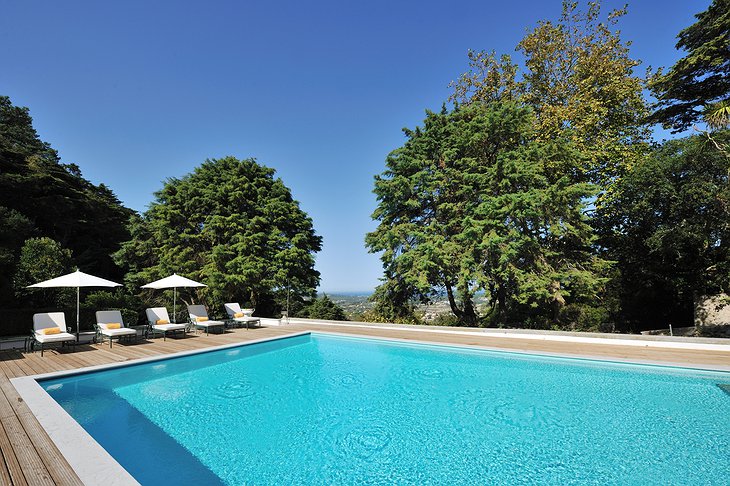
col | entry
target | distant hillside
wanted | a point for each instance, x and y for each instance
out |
(356, 303)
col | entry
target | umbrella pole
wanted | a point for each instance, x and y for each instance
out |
(78, 291)
(174, 305)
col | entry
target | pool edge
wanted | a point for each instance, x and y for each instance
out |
(527, 352)
(94, 465)
(88, 459)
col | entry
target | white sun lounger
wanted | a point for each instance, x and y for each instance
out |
(233, 309)
(157, 314)
(199, 319)
(103, 318)
(47, 321)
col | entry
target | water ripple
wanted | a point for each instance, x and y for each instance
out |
(235, 391)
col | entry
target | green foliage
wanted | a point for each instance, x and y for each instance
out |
(40, 196)
(232, 225)
(324, 308)
(470, 204)
(42, 259)
(395, 300)
(15, 228)
(119, 299)
(698, 85)
(578, 78)
(668, 228)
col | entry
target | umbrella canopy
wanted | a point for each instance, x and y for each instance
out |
(76, 279)
(173, 282)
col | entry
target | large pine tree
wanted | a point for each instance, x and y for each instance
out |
(235, 226)
(469, 204)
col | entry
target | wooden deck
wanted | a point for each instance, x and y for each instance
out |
(30, 457)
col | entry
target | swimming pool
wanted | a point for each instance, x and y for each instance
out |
(325, 409)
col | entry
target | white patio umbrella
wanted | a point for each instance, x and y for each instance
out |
(173, 282)
(76, 279)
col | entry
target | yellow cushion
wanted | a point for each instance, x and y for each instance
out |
(162, 321)
(51, 330)
(238, 314)
(201, 319)
(114, 325)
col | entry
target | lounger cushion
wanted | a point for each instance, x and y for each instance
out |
(202, 319)
(114, 325)
(169, 327)
(118, 332)
(238, 314)
(50, 330)
(162, 322)
(210, 323)
(54, 338)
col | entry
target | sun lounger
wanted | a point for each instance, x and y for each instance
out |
(111, 325)
(50, 328)
(199, 319)
(241, 316)
(159, 322)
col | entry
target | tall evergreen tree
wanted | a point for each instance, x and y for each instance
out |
(231, 224)
(469, 204)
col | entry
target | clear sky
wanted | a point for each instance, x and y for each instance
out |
(138, 91)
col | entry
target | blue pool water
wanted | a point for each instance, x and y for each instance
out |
(320, 409)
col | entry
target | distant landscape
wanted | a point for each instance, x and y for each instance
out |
(355, 304)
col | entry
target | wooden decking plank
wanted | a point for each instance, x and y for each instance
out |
(50, 455)
(11, 368)
(8, 399)
(34, 470)
(10, 472)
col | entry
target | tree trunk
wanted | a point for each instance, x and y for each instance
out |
(558, 301)
(452, 302)
(467, 315)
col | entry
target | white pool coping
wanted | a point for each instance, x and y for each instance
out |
(544, 354)
(676, 342)
(94, 465)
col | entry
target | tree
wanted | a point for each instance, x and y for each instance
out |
(579, 80)
(668, 228)
(41, 259)
(698, 85)
(15, 228)
(56, 201)
(325, 308)
(395, 299)
(231, 224)
(470, 204)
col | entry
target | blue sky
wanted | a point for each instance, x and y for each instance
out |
(135, 92)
